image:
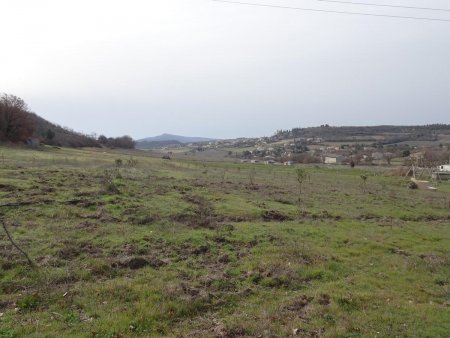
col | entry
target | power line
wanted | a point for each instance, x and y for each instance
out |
(382, 5)
(331, 11)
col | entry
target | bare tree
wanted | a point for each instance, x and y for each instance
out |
(388, 157)
(16, 124)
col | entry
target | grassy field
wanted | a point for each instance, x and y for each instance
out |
(151, 247)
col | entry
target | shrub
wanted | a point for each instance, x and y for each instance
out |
(413, 185)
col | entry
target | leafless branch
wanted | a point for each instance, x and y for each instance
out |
(16, 246)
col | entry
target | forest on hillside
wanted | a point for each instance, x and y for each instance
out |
(18, 125)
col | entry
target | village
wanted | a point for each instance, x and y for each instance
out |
(434, 158)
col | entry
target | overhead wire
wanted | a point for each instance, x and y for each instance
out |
(333, 11)
(384, 5)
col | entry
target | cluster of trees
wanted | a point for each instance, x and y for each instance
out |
(124, 142)
(16, 123)
(306, 158)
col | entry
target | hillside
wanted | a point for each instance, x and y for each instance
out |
(382, 134)
(52, 134)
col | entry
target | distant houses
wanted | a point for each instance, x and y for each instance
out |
(266, 161)
(442, 172)
(333, 159)
(290, 148)
(444, 168)
(377, 156)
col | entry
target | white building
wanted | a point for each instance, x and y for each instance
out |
(377, 156)
(442, 172)
(444, 168)
(333, 159)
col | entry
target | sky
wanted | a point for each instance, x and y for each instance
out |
(214, 69)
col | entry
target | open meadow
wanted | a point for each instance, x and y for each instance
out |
(129, 245)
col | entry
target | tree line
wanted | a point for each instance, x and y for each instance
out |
(125, 142)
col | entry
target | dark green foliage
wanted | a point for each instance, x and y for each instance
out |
(7, 334)
(28, 302)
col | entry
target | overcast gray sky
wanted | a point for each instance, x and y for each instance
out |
(204, 68)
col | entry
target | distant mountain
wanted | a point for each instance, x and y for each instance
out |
(157, 144)
(178, 138)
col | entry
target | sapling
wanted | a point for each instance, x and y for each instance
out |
(251, 176)
(364, 181)
(301, 176)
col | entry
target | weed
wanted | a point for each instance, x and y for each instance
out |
(28, 302)
(132, 162)
(347, 303)
(72, 318)
(108, 182)
(364, 182)
(7, 334)
(252, 176)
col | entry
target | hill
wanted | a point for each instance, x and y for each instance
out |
(157, 144)
(53, 134)
(178, 138)
(19, 125)
(381, 134)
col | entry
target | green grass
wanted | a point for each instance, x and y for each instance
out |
(193, 249)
